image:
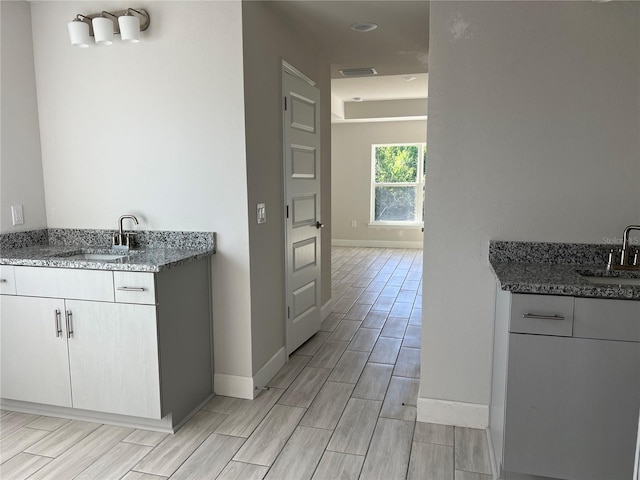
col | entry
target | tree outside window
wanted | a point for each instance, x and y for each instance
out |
(397, 193)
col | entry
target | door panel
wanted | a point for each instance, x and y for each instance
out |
(304, 300)
(303, 110)
(304, 254)
(303, 162)
(301, 147)
(304, 211)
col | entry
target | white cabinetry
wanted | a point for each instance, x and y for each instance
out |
(100, 342)
(113, 358)
(35, 361)
(7, 280)
(566, 387)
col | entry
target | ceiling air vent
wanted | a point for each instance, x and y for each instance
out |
(358, 72)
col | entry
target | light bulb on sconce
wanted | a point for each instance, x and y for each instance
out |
(79, 31)
(130, 22)
(129, 27)
(103, 30)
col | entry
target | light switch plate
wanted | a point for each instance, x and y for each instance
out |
(17, 214)
(262, 213)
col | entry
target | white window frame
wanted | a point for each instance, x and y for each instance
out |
(419, 184)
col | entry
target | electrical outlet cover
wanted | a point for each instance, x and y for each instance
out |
(262, 213)
(17, 214)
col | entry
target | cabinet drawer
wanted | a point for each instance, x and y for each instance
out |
(64, 283)
(542, 315)
(135, 287)
(7, 280)
(607, 319)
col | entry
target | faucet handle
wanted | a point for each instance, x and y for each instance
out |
(129, 239)
(636, 258)
(611, 261)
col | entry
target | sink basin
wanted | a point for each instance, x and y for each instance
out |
(612, 280)
(98, 255)
(105, 257)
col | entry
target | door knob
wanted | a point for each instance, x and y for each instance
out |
(319, 225)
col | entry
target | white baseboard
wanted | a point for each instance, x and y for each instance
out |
(447, 412)
(269, 369)
(326, 309)
(249, 387)
(337, 242)
(233, 386)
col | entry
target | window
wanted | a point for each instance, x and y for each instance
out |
(397, 190)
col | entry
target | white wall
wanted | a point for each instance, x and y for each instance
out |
(351, 181)
(154, 129)
(533, 136)
(21, 181)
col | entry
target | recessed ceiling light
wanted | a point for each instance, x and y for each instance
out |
(408, 78)
(363, 26)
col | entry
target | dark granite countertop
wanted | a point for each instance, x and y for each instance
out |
(155, 250)
(558, 279)
(137, 260)
(553, 270)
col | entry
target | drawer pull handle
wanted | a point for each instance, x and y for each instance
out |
(69, 324)
(131, 289)
(3, 280)
(58, 324)
(542, 317)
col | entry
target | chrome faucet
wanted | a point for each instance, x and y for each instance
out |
(627, 260)
(123, 240)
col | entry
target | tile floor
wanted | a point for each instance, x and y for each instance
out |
(343, 407)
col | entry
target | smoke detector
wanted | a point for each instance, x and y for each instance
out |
(358, 72)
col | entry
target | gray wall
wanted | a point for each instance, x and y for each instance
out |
(267, 39)
(533, 135)
(351, 182)
(21, 181)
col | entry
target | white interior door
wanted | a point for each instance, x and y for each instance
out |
(302, 203)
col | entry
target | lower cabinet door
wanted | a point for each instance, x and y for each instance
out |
(33, 351)
(572, 407)
(113, 358)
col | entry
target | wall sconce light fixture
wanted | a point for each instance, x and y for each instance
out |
(129, 24)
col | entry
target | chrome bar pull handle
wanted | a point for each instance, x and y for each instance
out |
(131, 289)
(542, 317)
(69, 324)
(57, 322)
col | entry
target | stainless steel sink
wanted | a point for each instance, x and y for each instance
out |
(105, 257)
(94, 254)
(611, 280)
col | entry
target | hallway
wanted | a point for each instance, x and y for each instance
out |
(343, 407)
